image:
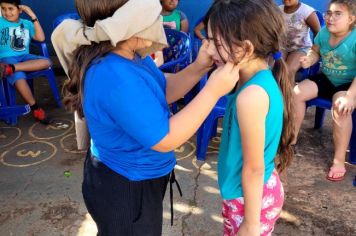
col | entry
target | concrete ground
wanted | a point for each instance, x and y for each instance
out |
(41, 174)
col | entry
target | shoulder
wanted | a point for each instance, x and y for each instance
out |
(26, 23)
(252, 97)
(306, 9)
(182, 15)
(113, 69)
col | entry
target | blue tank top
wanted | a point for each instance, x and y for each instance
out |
(230, 159)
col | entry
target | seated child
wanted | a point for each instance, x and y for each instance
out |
(300, 19)
(336, 45)
(15, 59)
(172, 17)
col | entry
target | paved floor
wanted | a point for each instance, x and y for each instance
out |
(41, 174)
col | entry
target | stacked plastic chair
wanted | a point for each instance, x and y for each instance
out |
(177, 56)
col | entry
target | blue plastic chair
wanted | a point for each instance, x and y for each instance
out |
(59, 19)
(6, 112)
(48, 73)
(322, 104)
(177, 56)
(208, 128)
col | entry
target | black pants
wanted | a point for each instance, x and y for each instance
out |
(120, 206)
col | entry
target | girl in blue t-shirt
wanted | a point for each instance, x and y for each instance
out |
(257, 124)
(335, 44)
(124, 98)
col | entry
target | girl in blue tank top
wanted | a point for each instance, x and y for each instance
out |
(257, 126)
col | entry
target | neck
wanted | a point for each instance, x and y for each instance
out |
(340, 35)
(166, 12)
(252, 67)
(125, 51)
(291, 9)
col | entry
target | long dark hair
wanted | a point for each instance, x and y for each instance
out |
(262, 23)
(89, 11)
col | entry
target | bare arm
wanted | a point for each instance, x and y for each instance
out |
(39, 34)
(184, 26)
(186, 122)
(344, 105)
(252, 105)
(180, 83)
(198, 29)
(311, 58)
(314, 24)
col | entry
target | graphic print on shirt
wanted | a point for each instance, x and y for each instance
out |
(333, 64)
(15, 37)
(170, 24)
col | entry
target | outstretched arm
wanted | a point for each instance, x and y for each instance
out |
(252, 105)
(187, 121)
(39, 34)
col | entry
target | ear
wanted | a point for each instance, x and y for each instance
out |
(249, 48)
(352, 19)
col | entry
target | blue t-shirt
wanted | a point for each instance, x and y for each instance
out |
(127, 113)
(15, 37)
(230, 159)
(339, 62)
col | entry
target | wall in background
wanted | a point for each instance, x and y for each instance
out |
(47, 11)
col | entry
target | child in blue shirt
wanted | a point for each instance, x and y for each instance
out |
(335, 44)
(15, 58)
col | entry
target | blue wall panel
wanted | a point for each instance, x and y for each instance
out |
(47, 11)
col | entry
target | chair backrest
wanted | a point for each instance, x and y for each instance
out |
(321, 18)
(178, 54)
(59, 19)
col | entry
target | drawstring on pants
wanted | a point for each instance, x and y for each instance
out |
(172, 179)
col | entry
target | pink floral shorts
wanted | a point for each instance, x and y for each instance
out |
(272, 202)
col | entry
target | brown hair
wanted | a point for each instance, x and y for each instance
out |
(351, 6)
(90, 11)
(261, 22)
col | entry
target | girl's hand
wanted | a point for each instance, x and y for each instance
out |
(344, 105)
(28, 11)
(204, 60)
(223, 79)
(249, 229)
(305, 61)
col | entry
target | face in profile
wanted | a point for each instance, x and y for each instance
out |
(219, 50)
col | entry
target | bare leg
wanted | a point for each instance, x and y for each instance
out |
(32, 65)
(342, 128)
(302, 92)
(25, 91)
(293, 63)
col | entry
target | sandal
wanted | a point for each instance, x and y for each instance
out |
(336, 170)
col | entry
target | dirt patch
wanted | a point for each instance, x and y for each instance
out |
(12, 214)
(62, 214)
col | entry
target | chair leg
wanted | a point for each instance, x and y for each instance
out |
(319, 117)
(52, 83)
(203, 137)
(352, 155)
(11, 101)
